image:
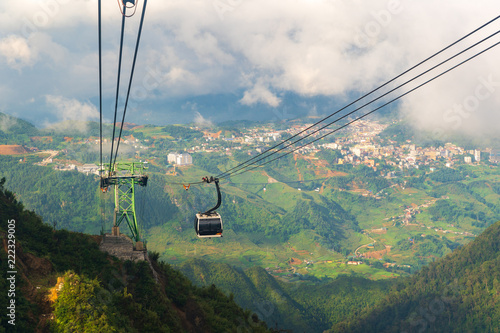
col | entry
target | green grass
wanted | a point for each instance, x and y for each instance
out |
(333, 270)
(281, 195)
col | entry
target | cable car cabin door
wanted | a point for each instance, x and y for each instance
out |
(208, 225)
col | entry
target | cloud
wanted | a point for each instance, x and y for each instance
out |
(22, 52)
(6, 122)
(470, 108)
(199, 120)
(44, 44)
(202, 121)
(71, 113)
(260, 94)
(260, 51)
(17, 52)
(313, 111)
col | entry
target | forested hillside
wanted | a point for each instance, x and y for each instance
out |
(64, 283)
(254, 289)
(459, 293)
(65, 199)
(15, 131)
(300, 305)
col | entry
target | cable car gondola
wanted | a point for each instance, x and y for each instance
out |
(209, 223)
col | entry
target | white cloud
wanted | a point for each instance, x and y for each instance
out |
(260, 94)
(17, 52)
(7, 122)
(201, 121)
(259, 50)
(44, 44)
(470, 108)
(20, 52)
(71, 113)
(72, 109)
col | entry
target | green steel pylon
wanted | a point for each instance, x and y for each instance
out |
(124, 177)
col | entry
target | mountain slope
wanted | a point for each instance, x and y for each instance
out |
(459, 293)
(15, 126)
(65, 283)
(253, 289)
(300, 305)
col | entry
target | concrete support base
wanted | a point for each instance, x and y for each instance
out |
(122, 247)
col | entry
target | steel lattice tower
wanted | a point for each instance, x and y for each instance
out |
(125, 176)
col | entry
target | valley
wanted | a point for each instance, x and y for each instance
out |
(376, 197)
(292, 229)
(249, 166)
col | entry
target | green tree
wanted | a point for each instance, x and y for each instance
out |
(78, 309)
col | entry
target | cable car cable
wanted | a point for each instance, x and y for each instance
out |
(240, 166)
(366, 104)
(100, 82)
(117, 90)
(131, 76)
(99, 32)
(357, 119)
(369, 93)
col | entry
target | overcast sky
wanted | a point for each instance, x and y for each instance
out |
(200, 58)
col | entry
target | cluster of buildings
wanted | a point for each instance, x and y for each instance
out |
(88, 169)
(361, 145)
(252, 136)
(362, 149)
(180, 159)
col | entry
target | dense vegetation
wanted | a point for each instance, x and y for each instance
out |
(427, 246)
(459, 293)
(209, 163)
(447, 175)
(181, 132)
(328, 219)
(300, 305)
(99, 293)
(65, 199)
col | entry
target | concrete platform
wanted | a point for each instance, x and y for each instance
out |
(122, 247)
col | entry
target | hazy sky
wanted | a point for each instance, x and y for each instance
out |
(253, 54)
